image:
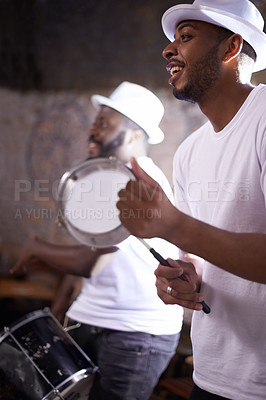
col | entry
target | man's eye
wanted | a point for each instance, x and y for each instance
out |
(185, 37)
(103, 125)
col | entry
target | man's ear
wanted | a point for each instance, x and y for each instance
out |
(233, 47)
(136, 134)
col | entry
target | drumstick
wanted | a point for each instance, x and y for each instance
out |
(162, 261)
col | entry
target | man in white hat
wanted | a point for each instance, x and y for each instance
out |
(127, 331)
(220, 192)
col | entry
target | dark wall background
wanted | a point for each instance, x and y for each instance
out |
(82, 44)
(79, 44)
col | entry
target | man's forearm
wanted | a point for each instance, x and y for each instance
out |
(77, 259)
(243, 254)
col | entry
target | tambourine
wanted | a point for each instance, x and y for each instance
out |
(87, 197)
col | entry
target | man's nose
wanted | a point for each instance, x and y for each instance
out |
(94, 133)
(170, 51)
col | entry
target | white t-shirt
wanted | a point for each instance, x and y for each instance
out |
(220, 178)
(122, 294)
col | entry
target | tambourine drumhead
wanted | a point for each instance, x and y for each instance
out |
(87, 196)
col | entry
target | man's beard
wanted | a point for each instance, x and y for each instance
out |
(201, 77)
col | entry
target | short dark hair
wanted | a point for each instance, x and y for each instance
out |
(247, 49)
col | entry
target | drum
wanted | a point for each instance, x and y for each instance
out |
(40, 361)
(87, 197)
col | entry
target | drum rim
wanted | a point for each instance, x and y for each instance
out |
(23, 320)
(69, 177)
(75, 378)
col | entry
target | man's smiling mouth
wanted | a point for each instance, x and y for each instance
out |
(175, 69)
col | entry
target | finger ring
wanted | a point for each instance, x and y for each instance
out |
(169, 291)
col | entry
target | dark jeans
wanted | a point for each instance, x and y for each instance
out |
(130, 363)
(200, 394)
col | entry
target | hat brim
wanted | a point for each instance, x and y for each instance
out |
(254, 36)
(155, 134)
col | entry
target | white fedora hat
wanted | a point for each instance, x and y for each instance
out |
(239, 16)
(138, 104)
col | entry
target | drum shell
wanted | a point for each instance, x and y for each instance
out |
(39, 360)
